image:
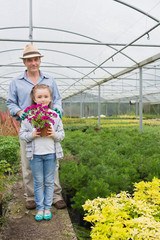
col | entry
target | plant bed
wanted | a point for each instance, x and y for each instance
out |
(81, 227)
(0, 204)
(125, 216)
(9, 166)
(108, 161)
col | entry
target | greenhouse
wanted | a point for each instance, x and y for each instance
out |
(104, 56)
(107, 49)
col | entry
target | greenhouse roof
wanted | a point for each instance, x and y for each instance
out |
(86, 44)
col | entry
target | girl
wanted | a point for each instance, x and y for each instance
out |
(43, 153)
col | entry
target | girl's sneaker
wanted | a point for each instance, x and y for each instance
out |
(39, 216)
(47, 216)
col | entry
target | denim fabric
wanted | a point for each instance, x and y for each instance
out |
(43, 169)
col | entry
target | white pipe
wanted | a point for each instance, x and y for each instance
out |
(140, 101)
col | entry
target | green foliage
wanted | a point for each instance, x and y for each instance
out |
(94, 187)
(9, 158)
(5, 167)
(108, 161)
(81, 232)
(76, 176)
(3, 220)
(9, 165)
(125, 217)
(9, 149)
(6, 199)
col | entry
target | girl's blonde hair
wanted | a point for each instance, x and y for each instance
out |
(40, 86)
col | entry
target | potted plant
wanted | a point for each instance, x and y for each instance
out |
(40, 117)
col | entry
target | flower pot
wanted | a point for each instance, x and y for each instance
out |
(43, 131)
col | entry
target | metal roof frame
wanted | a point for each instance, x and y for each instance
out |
(80, 77)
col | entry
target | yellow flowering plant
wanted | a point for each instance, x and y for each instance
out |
(126, 217)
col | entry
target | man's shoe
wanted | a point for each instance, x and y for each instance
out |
(30, 204)
(60, 204)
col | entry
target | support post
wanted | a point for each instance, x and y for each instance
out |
(70, 107)
(119, 102)
(140, 101)
(30, 22)
(106, 109)
(136, 108)
(81, 106)
(99, 106)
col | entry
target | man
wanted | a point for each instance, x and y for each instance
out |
(18, 100)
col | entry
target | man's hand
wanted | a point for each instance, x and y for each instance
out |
(22, 115)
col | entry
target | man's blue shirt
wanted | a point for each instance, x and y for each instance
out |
(20, 88)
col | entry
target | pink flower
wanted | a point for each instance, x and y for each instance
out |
(52, 121)
(55, 114)
(34, 117)
(44, 117)
(39, 116)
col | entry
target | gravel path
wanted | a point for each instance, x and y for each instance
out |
(22, 226)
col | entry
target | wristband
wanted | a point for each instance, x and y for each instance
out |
(59, 112)
(22, 115)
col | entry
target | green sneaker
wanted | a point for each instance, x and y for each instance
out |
(47, 216)
(39, 217)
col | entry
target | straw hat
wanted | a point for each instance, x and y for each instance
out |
(30, 51)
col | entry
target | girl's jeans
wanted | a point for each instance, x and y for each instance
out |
(43, 169)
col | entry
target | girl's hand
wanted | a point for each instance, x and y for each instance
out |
(50, 132)
(36, 134)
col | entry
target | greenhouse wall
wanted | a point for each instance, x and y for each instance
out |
(107, 109)
(91, 109)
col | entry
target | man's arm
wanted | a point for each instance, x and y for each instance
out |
(57, 102)
(12, 103)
